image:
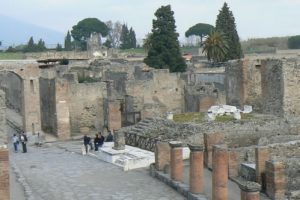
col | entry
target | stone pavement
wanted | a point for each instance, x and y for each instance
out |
(51, 173)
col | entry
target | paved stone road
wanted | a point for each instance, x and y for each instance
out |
(56, 174)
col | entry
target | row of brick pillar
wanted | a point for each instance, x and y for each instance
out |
(220, 158)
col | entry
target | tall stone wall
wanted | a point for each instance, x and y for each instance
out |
(4, 154)
(12, 84)
(86, 111)
(159, 95)
(292, 174)
(243, 83)
(291, 94)
(48, 105)
(272, 87)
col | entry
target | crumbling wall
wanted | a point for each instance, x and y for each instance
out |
(159, 95)
(243, 83)
(291, 77)
(86, 111)
(272, 87)
(3, 131)
(202, 90)
(12, 84)
(292, 174)
(48, 105)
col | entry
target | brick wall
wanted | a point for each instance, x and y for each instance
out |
(275, 180)
(4, 174)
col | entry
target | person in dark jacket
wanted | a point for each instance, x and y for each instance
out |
(86, 142)
(97, 142)
(110, 137)
(101, 139)
(24, 140)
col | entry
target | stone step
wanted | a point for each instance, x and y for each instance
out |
(138, 129)
(142, 125)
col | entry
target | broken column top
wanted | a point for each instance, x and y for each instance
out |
(174, 144)
(249, 186)
(196, 147)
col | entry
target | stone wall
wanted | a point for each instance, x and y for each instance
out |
(159, 95)
(292, 174)
(12, 84)
(48, 105)
(203, 90)
(86, 111)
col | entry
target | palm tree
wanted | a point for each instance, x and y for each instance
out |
(216, 47)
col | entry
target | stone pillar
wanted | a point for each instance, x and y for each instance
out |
(261, 156)
(162, 155)
(4, 174)
(275, 179)
(114, 115)
(220, 173)
(196, 169)
(250, 190)
(211, 139)
(176, 161)
(119, 140)
(234, 162)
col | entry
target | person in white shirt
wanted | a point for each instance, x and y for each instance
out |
(15, 142)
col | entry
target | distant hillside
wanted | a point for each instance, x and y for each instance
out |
(15, 32)
(264, 45)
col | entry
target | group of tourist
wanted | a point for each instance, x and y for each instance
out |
(20, 138)
(98, 141)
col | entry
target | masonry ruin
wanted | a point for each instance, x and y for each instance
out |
(88, 94)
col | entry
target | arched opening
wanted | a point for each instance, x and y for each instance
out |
(13, 86)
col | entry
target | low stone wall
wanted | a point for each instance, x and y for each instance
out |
(292, 174)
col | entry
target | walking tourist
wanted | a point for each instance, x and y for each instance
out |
(15, 142)
(86, 143)
(97, 142)
(24, 140)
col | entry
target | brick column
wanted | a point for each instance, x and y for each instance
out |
(176, 161)
(162, 155)
(220, 173)
(250, 190)
(119, 140)
(4, 174)
(211, 139)
(196, 169)
(275, 179)
(234, 162)
(261, 156)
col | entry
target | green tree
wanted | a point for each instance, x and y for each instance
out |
(31, 46)
(82, 31)
(225, 23)
(164, 51)
(68, 42)
(200, 30)
(58, 47)
(124, 38)
(294, 42)
(132, 38)
(115, 30)
(146, 42)
(40, 46)
(108, 44)
(216, 47)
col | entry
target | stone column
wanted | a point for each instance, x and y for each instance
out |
(196, 169)
(261, 156)
(275, 179)
(250, 190)
(220, 173)
(119, 140)
(162, 155)
(211, 139)
(176, 161)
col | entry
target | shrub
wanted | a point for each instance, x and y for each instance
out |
(294, 42)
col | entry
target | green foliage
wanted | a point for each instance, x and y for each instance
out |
(200, 30)
(224, 118)
(164, 51)
(87, 79)
(108, 44)
(11, 50)
(294, 42)
(216, 47)
(64, 61)
(225, 23)
(68, 42)
(32, 47)
(11, 56)
(189, 117)
(127, 38)
(146, 42)
(82, 31)
(58, 47)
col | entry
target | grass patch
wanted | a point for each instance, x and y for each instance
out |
(134, 51)
(11, 56)
(189, 117)
(82, 79)
(230, 118)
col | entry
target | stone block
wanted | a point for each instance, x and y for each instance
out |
(4, 175)
(275, 179)
(162, 155)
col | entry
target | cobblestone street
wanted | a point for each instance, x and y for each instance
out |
(53, 173)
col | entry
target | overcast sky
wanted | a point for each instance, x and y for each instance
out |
(254, 18)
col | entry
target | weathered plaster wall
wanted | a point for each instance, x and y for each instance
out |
(3, 131)
(86, 111)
